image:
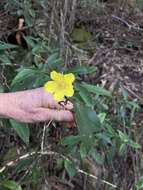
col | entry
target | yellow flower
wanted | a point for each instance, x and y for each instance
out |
(61, 86)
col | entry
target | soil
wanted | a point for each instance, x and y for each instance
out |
(119, 52)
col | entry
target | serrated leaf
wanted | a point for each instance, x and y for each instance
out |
(21, 129)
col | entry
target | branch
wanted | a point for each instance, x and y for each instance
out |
(41, 153)
(130, 26)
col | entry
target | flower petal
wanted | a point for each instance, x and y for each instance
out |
(50, 86)
(69, 92)
(69, 78)
(56, 76)
(59, 96)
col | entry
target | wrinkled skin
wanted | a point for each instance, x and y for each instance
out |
(31, 106)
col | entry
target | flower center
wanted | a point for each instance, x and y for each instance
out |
(61, 85)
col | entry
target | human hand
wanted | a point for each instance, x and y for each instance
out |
(36, 105)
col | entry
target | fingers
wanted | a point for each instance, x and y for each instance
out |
(43, 114)
(49, 102)
(67, 105)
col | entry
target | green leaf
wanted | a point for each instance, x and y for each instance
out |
(5, 46)
(83, 151)
(97, 90)
(71, 140)
(78, 70)
(85, 95)
(139, 184)
(70, 168)
(122, 149)
(29, 78)
(12, 185)
(134, 145)
(23, 164)
(102, 117)
(53, 62)
(22, 76)
(104, 137)
(87, 122)
(30, 41)
(21, 129)
(1, 89)
(124, 137)
(140, 3)
(80, 35)
(97, 157)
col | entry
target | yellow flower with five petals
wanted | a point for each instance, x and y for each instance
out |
(61, 86)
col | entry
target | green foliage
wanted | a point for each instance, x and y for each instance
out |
(140, 3)
(5, 46)
(21, 129)
(80, 35)
(11, 185)
(88, 123)
(70, 167)
(139, 184)
(104, 121)
(23, 8)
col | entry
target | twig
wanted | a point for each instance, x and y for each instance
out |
(133, 93)
(130, 26)
(43, 135)
(95, 177)
(40, 153)
(121, 20)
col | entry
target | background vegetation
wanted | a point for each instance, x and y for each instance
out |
(101, 43)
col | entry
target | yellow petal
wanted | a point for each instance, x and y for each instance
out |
(59, 96)
(50, 86)
(56, 76)
(69, 78)
(69, 92)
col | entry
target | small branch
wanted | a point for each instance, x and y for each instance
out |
(43, 135)
(95, 177)
(130, 26)
(41, 153)
(133, 94)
